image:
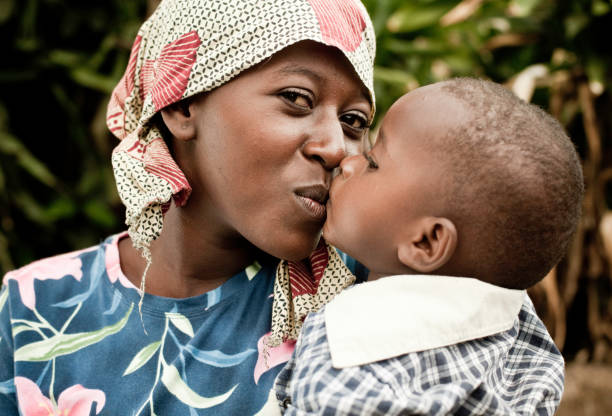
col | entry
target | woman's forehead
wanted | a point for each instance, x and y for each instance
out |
(320, 63)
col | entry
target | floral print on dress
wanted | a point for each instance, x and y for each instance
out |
(113, 264)
(68, 264)
(270, 357)
(74, 401)
(75, 346)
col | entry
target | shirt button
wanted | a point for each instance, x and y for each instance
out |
(286, 402)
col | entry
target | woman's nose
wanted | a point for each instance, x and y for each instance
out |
(326, 143)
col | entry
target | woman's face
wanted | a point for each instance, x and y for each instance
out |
(266, 144)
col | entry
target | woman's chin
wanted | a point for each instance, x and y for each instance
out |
(294, 250)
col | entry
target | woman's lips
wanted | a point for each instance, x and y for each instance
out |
(313, 199)
(315, 209)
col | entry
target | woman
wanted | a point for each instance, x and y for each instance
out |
(258, 102)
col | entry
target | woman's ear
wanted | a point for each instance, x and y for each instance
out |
(179, 120)
(430, 246)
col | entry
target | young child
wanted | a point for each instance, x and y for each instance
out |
(469, 196)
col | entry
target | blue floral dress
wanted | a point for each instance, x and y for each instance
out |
(72, 342)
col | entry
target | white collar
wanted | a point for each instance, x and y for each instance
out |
(397, 315)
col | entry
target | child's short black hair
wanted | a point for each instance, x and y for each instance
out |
(516, 184)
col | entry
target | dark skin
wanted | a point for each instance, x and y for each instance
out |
(259, 153)
(415, 232)
(217, 264)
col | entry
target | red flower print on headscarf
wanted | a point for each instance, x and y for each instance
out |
(344, 32)
(115, 114)
(167, 76)
(158, 161)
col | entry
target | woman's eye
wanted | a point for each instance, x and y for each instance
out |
(355, 121)
(298, 98)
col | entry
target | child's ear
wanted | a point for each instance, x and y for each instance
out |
(430, 246)
(179, 120)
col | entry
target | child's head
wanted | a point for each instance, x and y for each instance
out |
(465, 179)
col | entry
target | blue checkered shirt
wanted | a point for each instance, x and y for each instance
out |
(516, 372)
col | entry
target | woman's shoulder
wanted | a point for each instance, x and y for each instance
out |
(58, 265)
(78, 265)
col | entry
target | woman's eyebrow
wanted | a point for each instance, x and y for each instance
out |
(300, 70)
(314, 76)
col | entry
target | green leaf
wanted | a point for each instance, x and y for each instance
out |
(522, 8)
(253, 269)
(181, 322)
(65, 58)
(3, 298)
(64, 344)
(37, 169)
(395, 76)
(600, 7)
(26, 322)
(423, 48)
(6, 9)
(31, 208)
(21, 328)
(60, 208)
(12, 146)
(574, 24)
(417, 15)
(88, 78)
(177, 386)
(596, 73)
(107, 45)
(100, 213)
(9, 144)
(142, 357)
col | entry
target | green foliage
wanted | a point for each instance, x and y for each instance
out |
(61, 61)
(423, 41)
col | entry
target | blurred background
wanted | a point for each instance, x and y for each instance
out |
(62, 59)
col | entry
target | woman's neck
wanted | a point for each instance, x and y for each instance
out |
(188, 258)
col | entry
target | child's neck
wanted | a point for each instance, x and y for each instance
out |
(375, 275)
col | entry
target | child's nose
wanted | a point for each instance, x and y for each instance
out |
(348, 166)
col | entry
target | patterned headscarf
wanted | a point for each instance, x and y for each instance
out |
(190, 46)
